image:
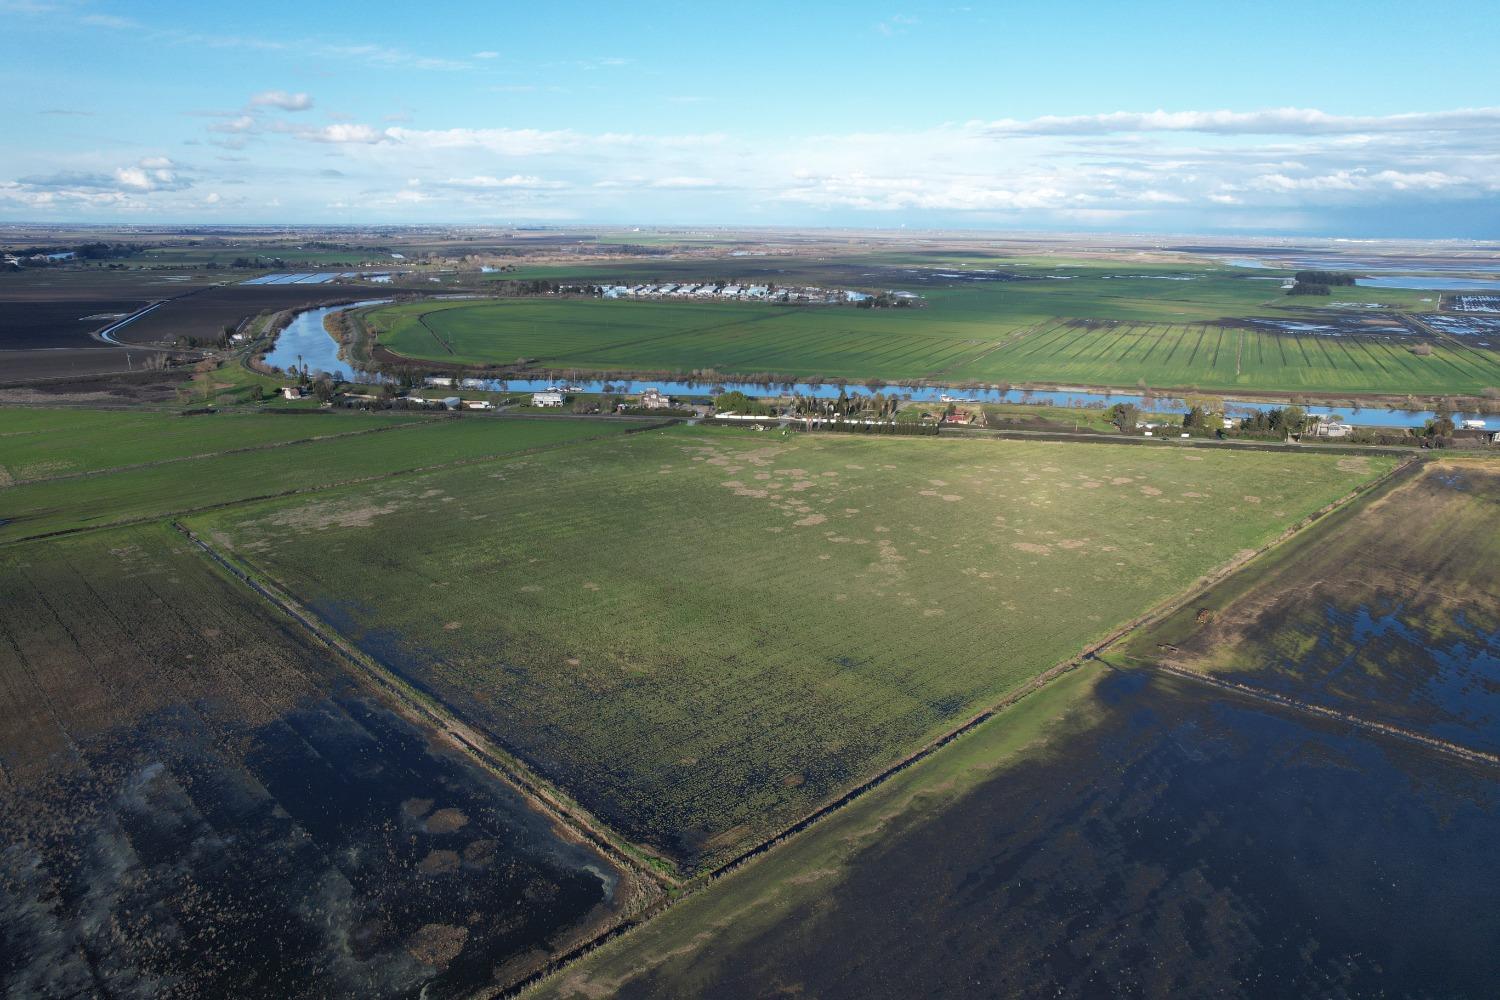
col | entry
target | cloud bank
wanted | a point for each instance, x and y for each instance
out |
(1275, 168)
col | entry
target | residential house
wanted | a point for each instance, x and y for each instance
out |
(1323, 425)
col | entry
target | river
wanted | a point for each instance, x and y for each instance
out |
(305, 340)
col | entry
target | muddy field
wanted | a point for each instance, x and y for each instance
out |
(1330, 324)
(1482, 330)
(1156, 840)
(196, 802)
(1390, 614)
(64, 364)
(205, 314)
(68, 323)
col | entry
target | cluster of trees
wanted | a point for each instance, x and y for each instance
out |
(903, 427)
(1124, 416)
(1275, 423)
(1331, 278)
(876, 405)
(97, 250)
(536, 286)
(738, 402)
(884, 301)
(1319, 282)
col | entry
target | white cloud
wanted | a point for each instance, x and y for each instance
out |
(1359, 179)
(482, 181)
(1281, 164)
(344, 132)
(1278, 121)
(281, 99)
(486, 54)
(895, 25)
(684, 182)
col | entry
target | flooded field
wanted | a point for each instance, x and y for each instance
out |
(1393, 617)
(208, 806)
(1483, 328)
(1473, 303)
(1333, 325)
(1152, 838)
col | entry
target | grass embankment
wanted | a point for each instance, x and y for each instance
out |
(740, 629)
(132, 494)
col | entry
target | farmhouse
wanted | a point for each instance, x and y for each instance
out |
(293, 392)
(653, 399)
(550, 397)
(1323, 425)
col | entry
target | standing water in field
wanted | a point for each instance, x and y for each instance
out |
(1165, 841)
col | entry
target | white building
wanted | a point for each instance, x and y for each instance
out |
(654, 399)
(1323, 425)
(550, 397)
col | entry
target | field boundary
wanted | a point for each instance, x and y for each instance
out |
(515, 771)
(1286, 701)
(1092, 651)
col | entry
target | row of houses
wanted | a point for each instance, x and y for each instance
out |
(726, 290)
(651, 399)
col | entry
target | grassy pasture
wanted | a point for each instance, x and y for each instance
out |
(1147, 325)
(702, 635)
(39, 444)
(31, 509)
(1390, 612)
(1211, 356)
(1110, 835)
(198, 802)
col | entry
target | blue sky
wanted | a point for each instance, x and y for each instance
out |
(1370, 119)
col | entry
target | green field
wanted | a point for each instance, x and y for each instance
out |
(1211, 356)
(702, 635)
(132, 494)
(1082, 324)
(40, 444)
